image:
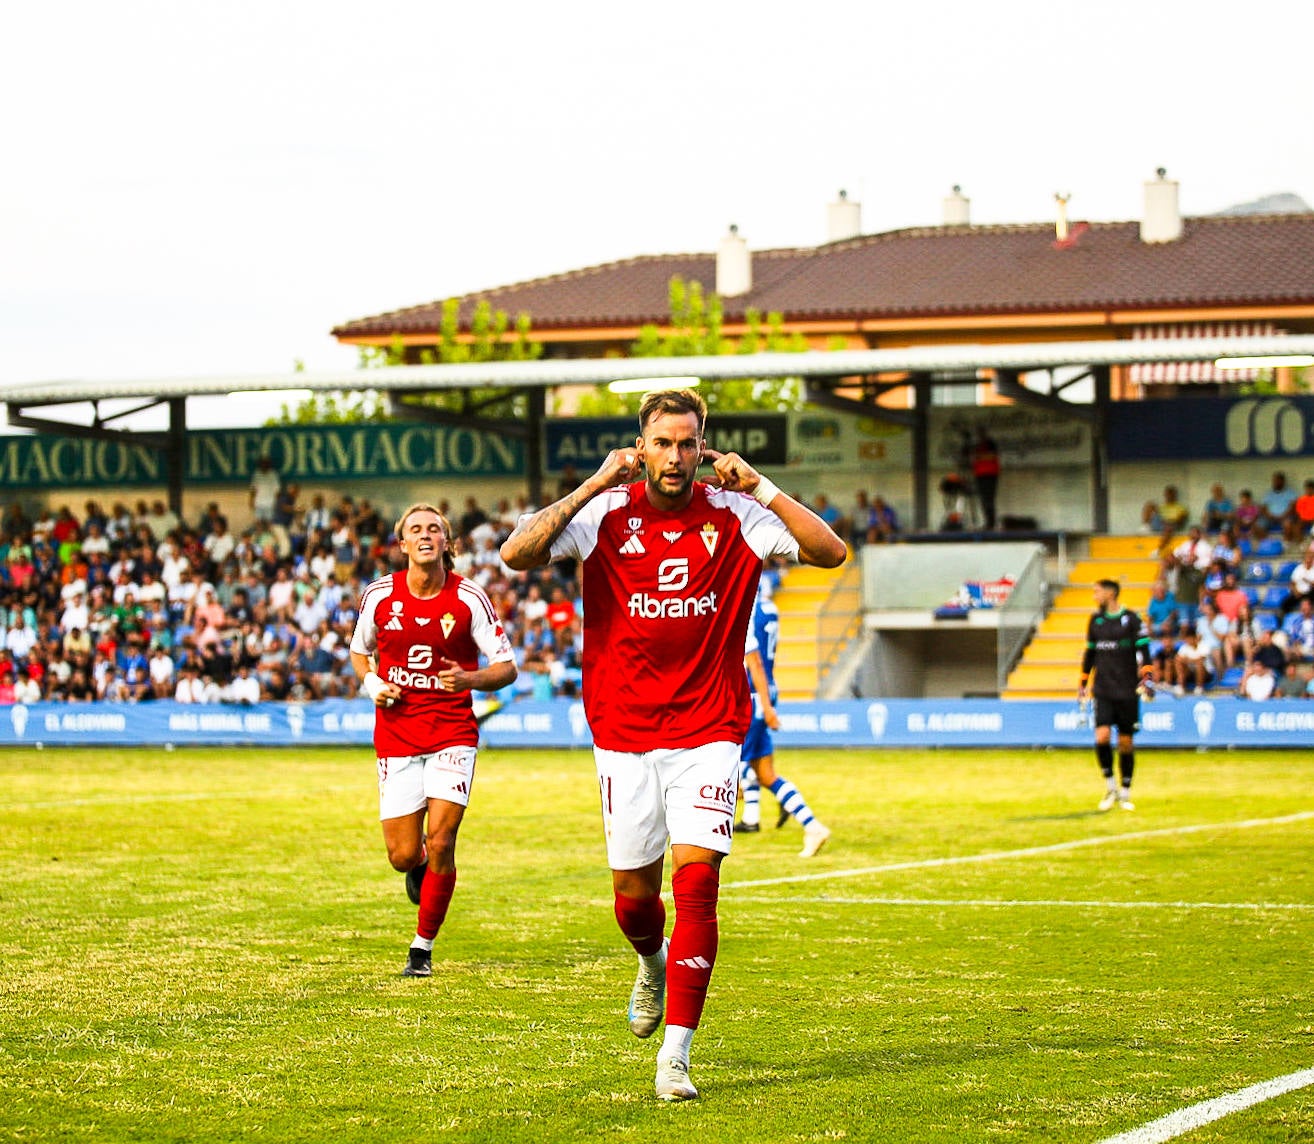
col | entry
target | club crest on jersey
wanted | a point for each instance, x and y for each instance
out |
(633, 547)
(710, 536)
(448, 622)
(635, 524)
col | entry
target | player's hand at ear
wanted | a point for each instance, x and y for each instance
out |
(620, 467)
(731, 472)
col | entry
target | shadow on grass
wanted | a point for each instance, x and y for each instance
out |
(1072, 817)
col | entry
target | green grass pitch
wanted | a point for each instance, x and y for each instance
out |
(205, 945)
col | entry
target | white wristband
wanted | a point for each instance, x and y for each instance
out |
(373, 685)
(766, 491)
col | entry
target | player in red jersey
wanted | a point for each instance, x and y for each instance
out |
(670, 570)
(416, 649)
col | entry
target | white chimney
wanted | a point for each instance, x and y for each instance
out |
(734, 266)
(1061, 222)
(957, 208)
(843, 219)
(1162, 221)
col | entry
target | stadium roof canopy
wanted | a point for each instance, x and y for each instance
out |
(850, 380)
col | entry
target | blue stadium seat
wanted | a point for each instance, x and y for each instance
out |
(1260, 572)
(1252, 597)
(1270, 547)
(1266, 622)
(1232, 678)
(1273, 596)
(1244, 546)
(1286, 569)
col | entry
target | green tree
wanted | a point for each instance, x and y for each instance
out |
(696, 329)
(491, 338)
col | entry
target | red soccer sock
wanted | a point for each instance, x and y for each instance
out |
(435, 897)
(692, 954)
(642, 921)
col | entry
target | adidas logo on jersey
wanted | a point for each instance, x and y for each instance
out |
(632, 547)
(393, 625)
(694, 963)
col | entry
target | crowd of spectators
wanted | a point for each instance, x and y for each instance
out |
(1206, 624)
(132, 604)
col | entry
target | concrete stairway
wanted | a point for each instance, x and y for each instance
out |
(1050, 667)
(820, 609)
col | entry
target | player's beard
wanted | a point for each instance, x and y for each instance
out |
(660, 483)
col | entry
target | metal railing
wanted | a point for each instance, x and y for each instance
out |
(1020, 614)
(836, 624)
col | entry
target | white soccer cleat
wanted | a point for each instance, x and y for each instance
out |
(1126, 803)
(1106, 803)
(814, 838)
(648, 998)
(673, 1081)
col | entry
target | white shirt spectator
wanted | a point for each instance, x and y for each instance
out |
(1259, 685)
(97, 542)
(219, 546)
(27, 690)
(73, 588)
(1199, 553)
(175, 570)
(161, 666)
(244, 688)
(280, 594)
(20, 640)
(75, 615)
(309, 615)
(190, 689)
(1302, 579)
(322, 565)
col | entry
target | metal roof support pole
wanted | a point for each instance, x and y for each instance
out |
(921, 450)
(175, 452)
(537, 410)
(1099, 449)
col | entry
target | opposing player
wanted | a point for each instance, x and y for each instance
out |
(670, 569)
(758, 752)
(416, 649)
(1118, 657)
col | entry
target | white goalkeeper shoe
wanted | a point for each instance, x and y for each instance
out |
(673, 1081)
(814, 838)
(648, 998)
(1108, 801)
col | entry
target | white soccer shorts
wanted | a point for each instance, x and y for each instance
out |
(407, 782)
(686, 795)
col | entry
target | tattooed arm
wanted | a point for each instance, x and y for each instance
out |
(530, 545)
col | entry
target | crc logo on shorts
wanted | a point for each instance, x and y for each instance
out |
(672, 575)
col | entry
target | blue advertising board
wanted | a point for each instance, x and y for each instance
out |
(1189, 722)
(1201, 427)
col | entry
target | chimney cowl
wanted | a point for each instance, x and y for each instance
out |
(843, 219)
(957, 208)
(734, 265)
(1161, 220)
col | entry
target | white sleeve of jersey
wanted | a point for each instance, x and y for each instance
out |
(750, 640)
(763, 531)
(580, 536)
(365, 639)
(486, 631)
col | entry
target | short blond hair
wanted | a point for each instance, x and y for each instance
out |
(449, 561)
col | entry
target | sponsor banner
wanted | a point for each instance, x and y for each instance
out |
(1167, 722)
(1206, 428)
(298, 452)
(585, 441)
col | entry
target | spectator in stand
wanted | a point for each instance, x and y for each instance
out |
(1266, 651)
(885, 526)
(472, 518)
(1227, 553)
(244, 689)
(1161, 613)
(162, 675)
(1299, 629)
(1229, 599)
(1219, 511)
(1258, 684)
(560, 610)
(1193, 663)
(20, 639)
(1301, 519)
(985, 463)
(345, 546)
(26, 689)
(1192, 559)
(218, 547)
(1275, 508)
(8, 693)
(827, 511)
(263, 492)
(1292, 684)
(1302, 583)
(861, 519)
(1217, 636)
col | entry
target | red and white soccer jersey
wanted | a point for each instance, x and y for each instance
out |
(667, 599)
(410, 638)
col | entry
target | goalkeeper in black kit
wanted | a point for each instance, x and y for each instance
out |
(1116, 669)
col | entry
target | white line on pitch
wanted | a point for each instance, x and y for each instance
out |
(827, 899)
(1027, 852)
(177, 796)
(1207, 1111)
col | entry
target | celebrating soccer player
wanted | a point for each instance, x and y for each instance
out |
(670, 570)
(416, 649)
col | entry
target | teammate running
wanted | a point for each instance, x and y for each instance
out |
(416, 649)
(670, 569)
(758, 759)
(1118, 656)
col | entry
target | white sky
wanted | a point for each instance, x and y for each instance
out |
(196, 189)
